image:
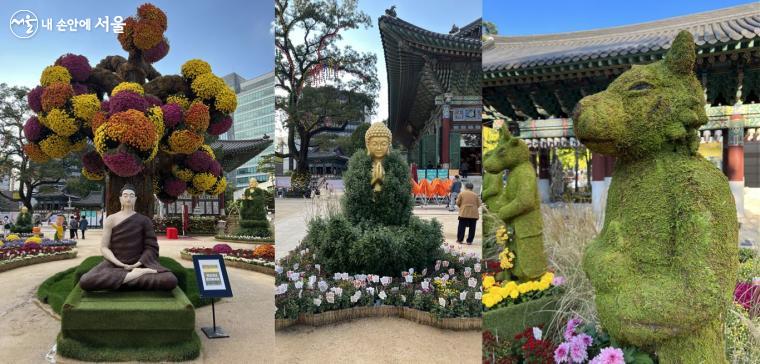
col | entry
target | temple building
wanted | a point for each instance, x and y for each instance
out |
(434, 97)
(534, 82)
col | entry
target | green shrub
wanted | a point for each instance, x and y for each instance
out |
(253, 214)
(198, 224)
(746, 254)
(749, 270)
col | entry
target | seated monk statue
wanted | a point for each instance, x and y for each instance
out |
(130, 252)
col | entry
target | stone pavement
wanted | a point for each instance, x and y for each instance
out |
(29, 331)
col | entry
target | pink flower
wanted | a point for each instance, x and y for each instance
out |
(570, 329)
(578, 353)
(220, 127)
(77, 65)
(558, 281)
(585, 339)
(123, 164)
(172, 115)
(126, 100)
(561, 353)
(156, 53)
(609, 355)
(743, 294)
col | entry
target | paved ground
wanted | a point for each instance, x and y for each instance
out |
(29, 332)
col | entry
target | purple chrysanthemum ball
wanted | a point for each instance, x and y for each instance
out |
(78, 66)
(172, 115)
(92, 162)
(153, 101)
(158, 52)
(33, 129)
(174, 186)
(220, 127)
(123, 164)
(80, 88)
(126, 100)
(215, 168)
(199, 161)
(222, 249)
(105, 105)
(34, 99)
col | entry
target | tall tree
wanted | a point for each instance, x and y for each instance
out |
(326, 85)
(490, 28)
(31, 176)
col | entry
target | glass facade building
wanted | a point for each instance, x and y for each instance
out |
(253, 118)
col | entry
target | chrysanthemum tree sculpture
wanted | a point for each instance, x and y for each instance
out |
(142, 128)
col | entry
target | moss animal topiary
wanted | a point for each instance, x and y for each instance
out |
(253, 214)
(518, 205)
(23, 222)
(664, 264)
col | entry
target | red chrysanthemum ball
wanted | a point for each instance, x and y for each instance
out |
(126, 100)
(78, 66)
(220, 127)
(34, 99)
(33, 129)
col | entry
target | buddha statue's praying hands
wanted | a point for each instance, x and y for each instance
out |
(130, 252)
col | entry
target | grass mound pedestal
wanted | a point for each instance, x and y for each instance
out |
(128, 325)
(508, 321)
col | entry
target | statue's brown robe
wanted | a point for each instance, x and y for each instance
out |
(132, 240)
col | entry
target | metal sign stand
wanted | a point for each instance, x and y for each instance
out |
(214, 332)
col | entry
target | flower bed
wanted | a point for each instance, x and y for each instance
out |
(11, 242)
(28, 254)
(246, 239)
(259, 260)
(447, 294)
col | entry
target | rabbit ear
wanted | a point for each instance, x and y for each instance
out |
(681, 57)
(504, 133)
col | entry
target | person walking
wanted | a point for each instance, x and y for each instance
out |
(464, 168)
(6, 225)
(454, 192)
(83, 226)
(73, 227)
(469, 205)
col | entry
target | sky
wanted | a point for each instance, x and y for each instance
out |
(232, 36)
(518, 17)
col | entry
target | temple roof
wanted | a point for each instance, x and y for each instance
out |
(421, 65)
(711, 30)
(235, 153)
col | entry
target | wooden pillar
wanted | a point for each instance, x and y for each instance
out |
(734, 158)
(445, 136)
(544, 175)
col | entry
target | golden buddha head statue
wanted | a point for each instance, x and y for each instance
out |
(253, 183)
(378, 140)
(24, 209)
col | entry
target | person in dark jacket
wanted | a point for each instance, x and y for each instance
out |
(454, 192)
(73, 227)
(83, 224)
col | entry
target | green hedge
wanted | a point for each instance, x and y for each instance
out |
(55, 289)
(198, 224)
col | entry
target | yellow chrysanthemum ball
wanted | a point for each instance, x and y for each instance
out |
(203, 181)
(226, 100)
(12, 237)
(179, 100)
(193, 191)
(488, 281)
(92, 176)
(207, 85)
(34, 240)
(100, 139)
(61, 123)
(55, 146)
(153, 152)
(128, 86)
(52, 74)
(219, 187)
(184, 174)
(194, 68)
(35, 153)
(184, 141)
(156, 116)
(207, 149)
(85, 106)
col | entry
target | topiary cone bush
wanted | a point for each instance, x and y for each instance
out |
(253, 214)
(664, 265)
(376, 233)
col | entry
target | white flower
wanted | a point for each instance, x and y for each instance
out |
(299, 284)
(375, 278)
(477, 267)
(318, 267)
(356, 296)
(317, 302)
(360, 277)
(478, 295)
(403, 298)
(338, 291)
(451, 271)
(344, 276)
(330, 296)
(281, 289)
(337, 276)
(278, 269)
(323, 286)
(312, 280)
(382, 295)
(472, 282)
(303, 251)
(437, 265)
(411, 270)
(442, 301)
(463, 295)
(537, 333)
(445, 263)
(425, 285)
(295, 266)
(386, 280)
(467, 272)
(409, 278)
(424, 272)
(371, 291)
